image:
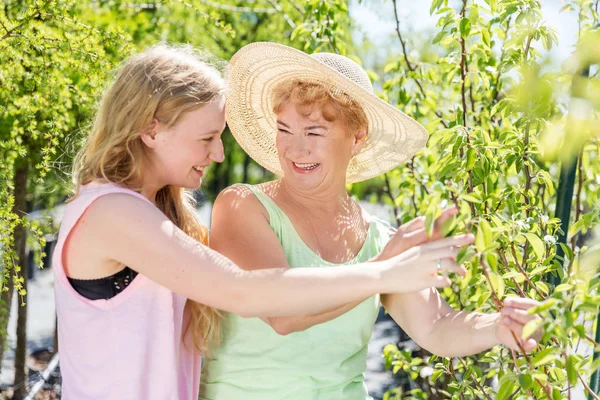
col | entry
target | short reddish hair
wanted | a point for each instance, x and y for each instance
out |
(333, 105)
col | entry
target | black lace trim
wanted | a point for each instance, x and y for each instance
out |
(104, 288)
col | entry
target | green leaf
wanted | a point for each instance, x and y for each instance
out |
(435, 5)
(526, 381)
(506, 388)
(497, 284)
(465, 27)
(485, 36)
(544, 305)
(471, 158)
(571, 369)
(536, 243)
(470, 199)
(544, 357)
(531, 327)
(564, 287)
(485, 230)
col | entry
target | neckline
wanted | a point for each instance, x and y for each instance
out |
(307, 248)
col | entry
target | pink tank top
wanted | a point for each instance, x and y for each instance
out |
(128, 347)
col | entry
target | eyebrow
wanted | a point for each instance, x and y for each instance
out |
(210, 133)
(308, 128)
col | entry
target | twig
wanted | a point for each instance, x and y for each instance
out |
(285, 16)
(530, 364)
(497, 300)
(462, 69)
(239, 9)
(578, 197)
(296, 6)
(523, 272)
(462, 396)
(3, 26)
(475, 381)
(587, 388)
(497, 88)
(410, 66)
(404, 52)
(389, 192)
(26, 20)
(411, 167)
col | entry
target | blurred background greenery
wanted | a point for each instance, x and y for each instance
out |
(510, 104)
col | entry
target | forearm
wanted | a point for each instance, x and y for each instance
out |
(287, 325)
(459, 333)
(286, 292)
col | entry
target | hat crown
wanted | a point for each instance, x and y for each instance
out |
(348, 68)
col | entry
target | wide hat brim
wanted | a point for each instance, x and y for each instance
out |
(253, 72)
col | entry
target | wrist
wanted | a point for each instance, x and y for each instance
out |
(496, 321)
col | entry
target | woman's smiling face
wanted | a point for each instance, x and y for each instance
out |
(313, 151)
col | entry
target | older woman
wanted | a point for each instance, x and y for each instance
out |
(315, 121)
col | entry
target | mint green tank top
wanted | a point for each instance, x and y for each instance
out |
(326, 361)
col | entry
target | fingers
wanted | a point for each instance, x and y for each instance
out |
(516, 328)
(447, 213)
(440, 281)
(415, 229)
(520, 302)
(440, 253)
(448, 265)
(413, 225)
(460, 240)
(518, 315)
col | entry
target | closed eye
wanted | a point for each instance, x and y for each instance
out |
(208, 139)
(284, 131)
(314, 134)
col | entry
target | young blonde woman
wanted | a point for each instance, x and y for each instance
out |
(136, 288)
(315, 121)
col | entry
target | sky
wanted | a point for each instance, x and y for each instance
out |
(376, 20)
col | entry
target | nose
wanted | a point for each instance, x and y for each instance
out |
(217, 153)
(299, 146)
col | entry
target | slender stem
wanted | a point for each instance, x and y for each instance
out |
(580, 182)
(411, 167)
(463, 59)
(530, 364)
(523, 272)
(389, 193)
(462, 396)
(586, 387)
(404, 52)
(410, 66)
(296, 6)
(475, 381)
(497, 300)
(285, 16)
(9, 32)
(497, 87)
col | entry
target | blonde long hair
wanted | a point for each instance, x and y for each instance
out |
(162, 82)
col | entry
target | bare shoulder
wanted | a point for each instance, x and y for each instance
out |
(109, 217)
(238, 201)
(241, 230)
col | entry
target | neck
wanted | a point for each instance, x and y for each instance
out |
(150, 187)
(331, 200)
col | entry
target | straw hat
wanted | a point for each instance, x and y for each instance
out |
(253, 72)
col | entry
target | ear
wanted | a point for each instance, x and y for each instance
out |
(149, 137)
(359, 141)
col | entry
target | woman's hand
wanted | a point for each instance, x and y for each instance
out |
(423, 266)
(513, 318)
(414, 233)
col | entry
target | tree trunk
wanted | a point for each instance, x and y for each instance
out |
(5, 303)
(20, 240)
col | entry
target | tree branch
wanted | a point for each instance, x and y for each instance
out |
(410, 66)
(9, 32)
(285, 16)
